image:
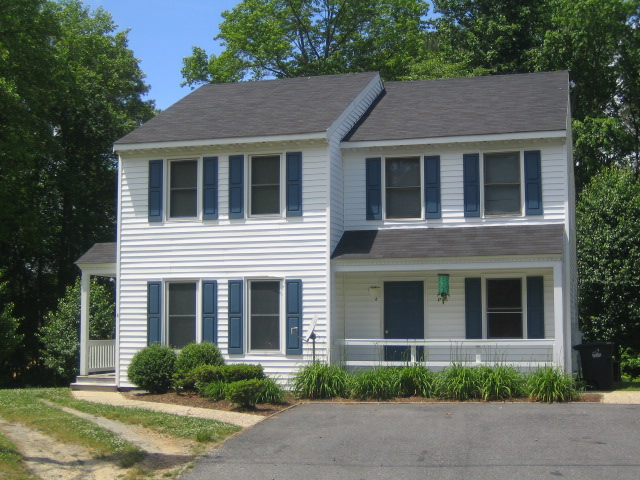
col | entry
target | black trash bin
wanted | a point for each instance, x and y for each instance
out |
(597, 364)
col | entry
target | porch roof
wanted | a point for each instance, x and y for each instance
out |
(100, 253)
(451, 242)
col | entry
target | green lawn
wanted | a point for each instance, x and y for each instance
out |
(628, 385)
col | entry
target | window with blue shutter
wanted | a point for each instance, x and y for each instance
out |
(432, 187)
(294, 184)
(471, 174)
(154, 312)
(210, 188)
(473, 307)
(535, 307)
(533, 183)
(155, 190)
(236, 186)
(374, 188)
(294, 317)
(236, 317)
(210, 311)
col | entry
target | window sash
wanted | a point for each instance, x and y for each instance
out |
(504, 308)
(403, 190)
(502, 183)
(181, 316)
(183, 188)
(265, 185)
(264, 317)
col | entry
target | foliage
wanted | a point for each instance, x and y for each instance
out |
(457, 382)
(213, 390)
(69, 87)
(608, 226)
(272, 392)
(152, 368)
(500, 382)
(415, 380)
(10, 339)
(319, 380)
(551, 385)
(630, 363)
(192, 356)
(205, 374)
(245, 393)
(272, 38)
(235, 373)
(59, 334)
(379, 383)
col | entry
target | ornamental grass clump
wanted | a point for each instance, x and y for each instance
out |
(551, 385)
(500, 382)
(214, 391)
(319, 380)
(416, 380)
(272, 392)
(457, 382)
(380, 383)
(152, 368)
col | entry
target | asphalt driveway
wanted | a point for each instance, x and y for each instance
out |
(442, 441)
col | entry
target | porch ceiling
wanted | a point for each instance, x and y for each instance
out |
(451, 242)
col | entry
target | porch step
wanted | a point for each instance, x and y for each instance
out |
(104, 382)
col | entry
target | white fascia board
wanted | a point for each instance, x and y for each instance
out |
(99, 269)
(456, 139)
(219, 141)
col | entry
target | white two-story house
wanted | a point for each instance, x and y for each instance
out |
(428, 221)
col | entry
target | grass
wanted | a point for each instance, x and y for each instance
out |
(551, 385)
(198, 429)
(319, 380)
(628, 385)
(11, 464)
(379, 383)
(23, 406)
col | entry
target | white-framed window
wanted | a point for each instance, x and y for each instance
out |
(403, 187)
(504, 307)
(183, 187)
(265, 304)
(265, 191)
(181, 318)
(502, 192)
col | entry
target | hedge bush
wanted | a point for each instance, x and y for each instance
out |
(245, 393)
(152, 368)
(192, 356)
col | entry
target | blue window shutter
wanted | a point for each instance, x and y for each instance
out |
(155, 190)
(473, 307)
(236, 186)
(210, 188)
(432, 205)
(154, 312)
(532, 183)
(294, 317)
(210, 311)
(535, 307)
(294, 184)
(374, 189)
(236, 318)
(471, 173)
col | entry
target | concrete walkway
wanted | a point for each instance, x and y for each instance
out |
(116, 399)
(621, 397)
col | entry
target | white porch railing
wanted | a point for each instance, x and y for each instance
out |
(102, 355)
(360, 352)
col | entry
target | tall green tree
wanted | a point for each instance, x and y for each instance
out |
(608, 227)
(69, 87)
(290, 38)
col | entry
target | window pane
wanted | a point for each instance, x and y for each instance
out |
(182, 314)
(403, 172)
(501, 199)
(403, 203)
(265, 185)
(502, 168)
(504, 308)
(184, 203)
(265, 315)
(184, 174)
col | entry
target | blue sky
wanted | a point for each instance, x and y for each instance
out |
(162, 33)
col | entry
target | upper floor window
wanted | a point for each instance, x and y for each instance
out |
(402, 188)
(265, 185)
(502, 184)
(183, 188)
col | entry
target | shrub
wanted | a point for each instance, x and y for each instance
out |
(416, 380)
(457, 382)
(235, 373)
(245, 393)
(203, 375)
(319, 380)
(499, 382)
(379, 383)
(630, 364)
(192, 356)
(272, 392)
(213, 390)
(152, 368)
(551, 385)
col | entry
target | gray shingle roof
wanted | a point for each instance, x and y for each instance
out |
(467, 106)
(249, 109)
(450, 242)
(99, 253)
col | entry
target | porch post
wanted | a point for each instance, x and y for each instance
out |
(84, 323)
(558, 315)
